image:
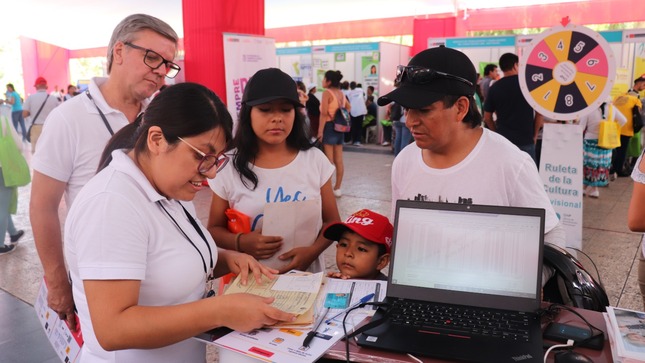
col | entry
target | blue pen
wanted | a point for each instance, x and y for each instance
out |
(361, 301)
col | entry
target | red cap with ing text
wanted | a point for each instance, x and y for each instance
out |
(370, 225)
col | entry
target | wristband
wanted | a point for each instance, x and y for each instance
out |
(237, 241)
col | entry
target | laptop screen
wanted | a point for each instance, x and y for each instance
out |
(460, 250)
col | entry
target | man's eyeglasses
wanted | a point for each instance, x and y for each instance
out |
(420, 75)
(208, 160)
(154, 60)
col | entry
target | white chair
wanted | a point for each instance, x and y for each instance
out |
(371, 131)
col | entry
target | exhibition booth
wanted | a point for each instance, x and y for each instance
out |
(370, 64)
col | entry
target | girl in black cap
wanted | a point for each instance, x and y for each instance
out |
(274, 162)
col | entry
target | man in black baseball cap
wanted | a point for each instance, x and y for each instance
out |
(454, 159)
(431, 75)
(439, 83)
(639, 85)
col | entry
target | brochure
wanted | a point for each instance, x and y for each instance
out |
(626, 330)
(66, 343)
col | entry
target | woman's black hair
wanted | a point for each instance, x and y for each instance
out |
(473, 118)
(182, 110)
(334, 78)
(246, 144)
(301, 86)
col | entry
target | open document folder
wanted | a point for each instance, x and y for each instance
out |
(293, 292)
(273, 344)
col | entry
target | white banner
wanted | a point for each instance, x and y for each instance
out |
(561, 172)
(243, 56)
(634, 36)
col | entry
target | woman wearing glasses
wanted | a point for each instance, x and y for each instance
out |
(140, 262)
(274, 162)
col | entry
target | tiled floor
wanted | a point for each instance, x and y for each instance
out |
(606, 239)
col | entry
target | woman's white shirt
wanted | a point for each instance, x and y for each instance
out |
(116, 231)
(299, 180)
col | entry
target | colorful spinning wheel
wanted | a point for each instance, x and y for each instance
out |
(567, 72)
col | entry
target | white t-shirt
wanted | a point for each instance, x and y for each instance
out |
(357, 101)
(495, 172)
(591, 122)
(35, 101)
(116, 231)
(299, 180)
(73, 138)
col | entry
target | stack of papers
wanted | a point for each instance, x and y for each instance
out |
(284, 344)
(626, 330)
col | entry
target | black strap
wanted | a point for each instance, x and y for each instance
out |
(105, 121)
(33, 122)
(201, 234)
(199, 230)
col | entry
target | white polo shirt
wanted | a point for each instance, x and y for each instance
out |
(116, 231)
(73, 139)
(37, 100)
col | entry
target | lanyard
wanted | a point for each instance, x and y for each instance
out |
(201, 234)
(100, 112)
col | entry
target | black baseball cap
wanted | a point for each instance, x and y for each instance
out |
(270, 84)
(416, 95)
(640, 79)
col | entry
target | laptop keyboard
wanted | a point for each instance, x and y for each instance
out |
(461, 321)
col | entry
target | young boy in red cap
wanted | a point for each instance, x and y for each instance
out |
(363, 248)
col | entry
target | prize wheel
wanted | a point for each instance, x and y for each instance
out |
(567, 72)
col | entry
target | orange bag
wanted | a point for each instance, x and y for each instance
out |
(238, 222)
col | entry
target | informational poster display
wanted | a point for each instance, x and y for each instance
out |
(243, 56)
(639, 60)
(369, 70)
(296, 62)
(567, 72)
(623, 82)
(479, 42)
(561, 172)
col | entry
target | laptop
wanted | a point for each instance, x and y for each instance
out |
(474, 262)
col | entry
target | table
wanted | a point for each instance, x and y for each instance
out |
(361, 354)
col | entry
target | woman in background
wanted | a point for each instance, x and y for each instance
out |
(313, 111)
(332, 140)
(597, 160)
(8, 197)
